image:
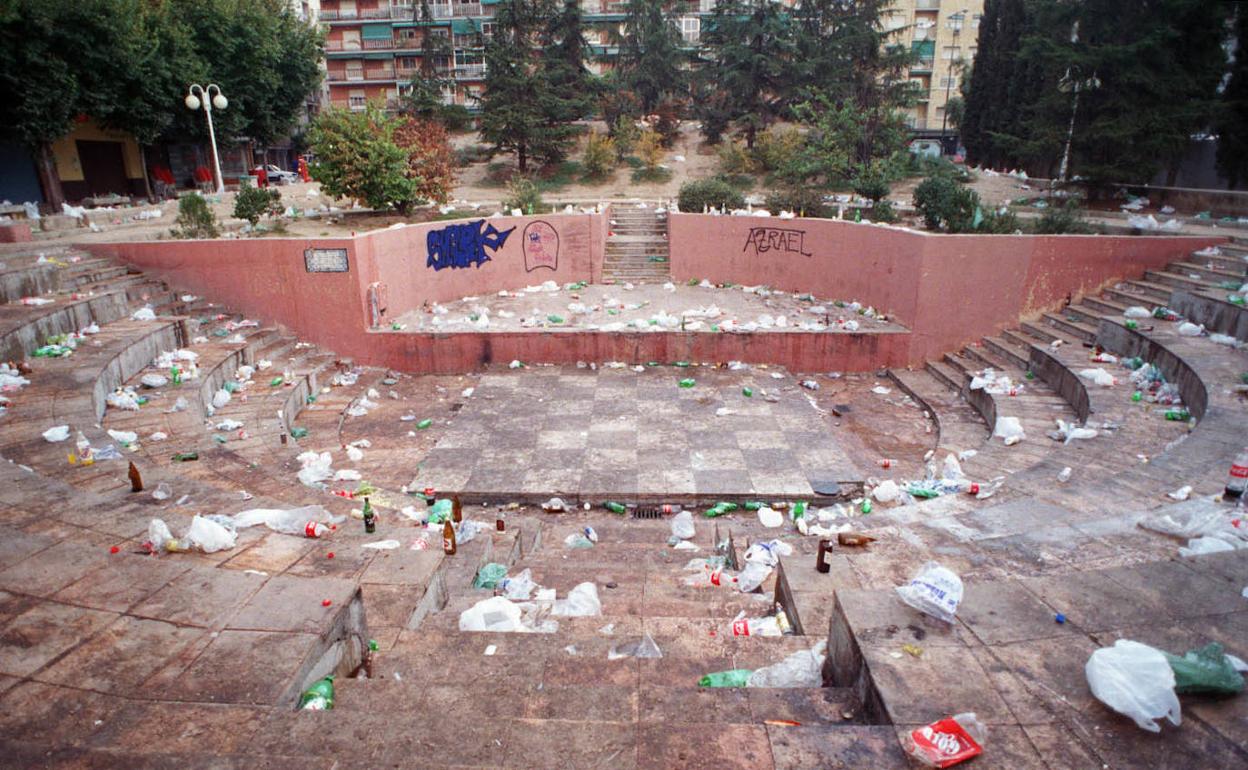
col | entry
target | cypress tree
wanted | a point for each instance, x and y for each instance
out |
(651, 54)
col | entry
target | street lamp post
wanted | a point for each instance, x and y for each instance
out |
(197, 95)
(957, 32)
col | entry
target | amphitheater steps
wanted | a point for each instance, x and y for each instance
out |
(1206, 273)
(637, 246)
(545, 700)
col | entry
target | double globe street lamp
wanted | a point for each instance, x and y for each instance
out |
(209, 96)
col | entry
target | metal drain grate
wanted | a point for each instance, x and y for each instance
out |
(647, 513)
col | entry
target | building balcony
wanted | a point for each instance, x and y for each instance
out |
(380, 75)
(927, 5)
(470, 72)
(451, 10)
(359, 14)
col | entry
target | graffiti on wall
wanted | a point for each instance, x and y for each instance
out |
(463, 245)
(541, 246)
(779, 239)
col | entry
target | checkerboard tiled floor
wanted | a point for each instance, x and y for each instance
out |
(619, 433)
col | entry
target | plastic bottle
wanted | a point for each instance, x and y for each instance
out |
(86, 456)
(614, 507)
(296, 522)
(886, 462)
(709, 577)
(737, 677)
(687, 383)
(1238, 479)
(318, 697)
(1178, 415)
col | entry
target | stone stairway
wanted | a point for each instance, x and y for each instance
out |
(556, 700)
(637, 249)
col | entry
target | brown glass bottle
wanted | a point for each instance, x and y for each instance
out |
(136, 481)
(457, 509)
(448, 538)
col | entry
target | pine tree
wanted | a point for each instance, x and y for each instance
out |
(1233, 116)
(746, 76)
(651, 54)
(564, 63)
(519, 108)
(425, 89)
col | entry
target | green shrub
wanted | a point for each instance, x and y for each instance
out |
(945, 205)
(599, 159)
(872, 186)
(708, 193)
(252, 203)
(1062, 220)
(734, 159)
(997, 223)
(803, 201)
(650, 149)
(884, 212)
(625, 134)
(777, 151)
(524, 194)
(195, 218)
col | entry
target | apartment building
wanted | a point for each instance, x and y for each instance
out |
(372, 47)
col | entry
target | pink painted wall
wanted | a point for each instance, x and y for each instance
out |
(949, 289)
(398, 258)
(263, 278)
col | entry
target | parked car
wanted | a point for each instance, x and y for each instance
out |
(278, 176)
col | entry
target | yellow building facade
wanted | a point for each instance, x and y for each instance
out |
(944, 33)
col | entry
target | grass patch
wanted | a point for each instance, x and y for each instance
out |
(656, 175)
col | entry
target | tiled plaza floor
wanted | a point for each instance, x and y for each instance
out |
(622, 433)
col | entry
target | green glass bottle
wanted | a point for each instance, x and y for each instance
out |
(318, 697)
(614, 507)
(736, 677)
(370, 517)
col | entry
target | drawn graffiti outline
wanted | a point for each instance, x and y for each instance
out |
(541, 246)
(765, 239)
(463, 245)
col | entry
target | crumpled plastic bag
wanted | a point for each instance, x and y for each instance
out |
(56, 434)
(886, 491)
(204, 534)
(123, 399)
(154, 380)
(803, 668)
(645, 647)
(935, 591)
(1098, 376)
(1135, 680)
(582, 602)
(498, 614)
(220, 398)
(519, 587)
(682, 525)
(314, 468)
(1010, 429)
(1206, 669)
(760, 559)
(143, 314)
(489, 575)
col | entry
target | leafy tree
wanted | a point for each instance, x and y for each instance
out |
(650, 53)
(747, 73)
(357, 157)
(430, 162)
(842, 142)
(599, 159)
(945, 204)
(264, 58)
(1232, 137)
(519, 111)
(650, 150)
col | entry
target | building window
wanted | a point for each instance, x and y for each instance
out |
(487, 29)
(948, 82)
(690, 28)
(976, 18)
(951, 53)
(355, 70)
(357, 101)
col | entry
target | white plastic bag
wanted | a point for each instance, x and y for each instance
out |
(1098, 376)
(1189, 329)
(1135, 311)
(682, 525)
(886, 491)
(935, 591)
(582, 602)
(770, 518)
(1135, 680)
(519, 587)
(803, 668)
(144, 314)
(154, 380)
(1010, 429)
(56, 434)
(220, 398)
(646, 647)
(209, 536)
(315, 468)
(498, 614)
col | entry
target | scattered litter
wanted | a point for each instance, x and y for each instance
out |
(946, 742)
(642, 648)
(383, 545)
(1135, 680)
(56, 434)
(935, 591)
